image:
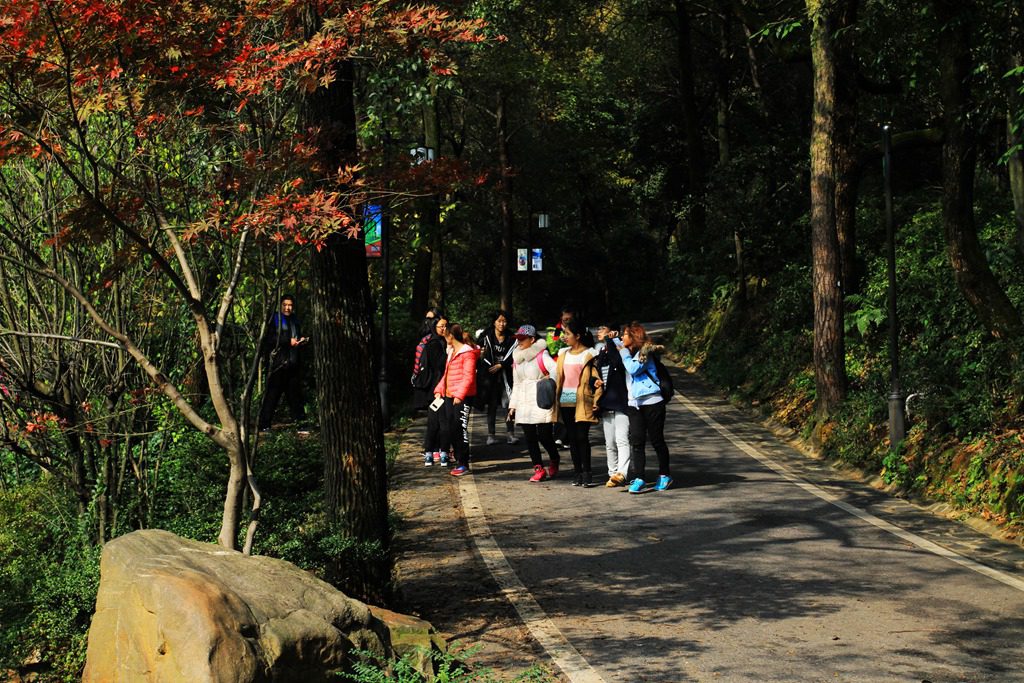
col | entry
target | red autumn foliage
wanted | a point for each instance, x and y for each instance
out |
(213, 74)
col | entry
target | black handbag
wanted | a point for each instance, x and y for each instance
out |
(545, 387)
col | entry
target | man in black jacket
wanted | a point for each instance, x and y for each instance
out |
(280, 349)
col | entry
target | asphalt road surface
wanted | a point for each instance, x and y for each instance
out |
(760, 565)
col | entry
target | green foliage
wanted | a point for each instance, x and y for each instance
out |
(964, 442)
(49, 572)
(449, 667)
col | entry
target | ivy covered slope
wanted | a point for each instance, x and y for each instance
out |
(964, 444)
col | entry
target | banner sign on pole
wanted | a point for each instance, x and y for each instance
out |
(538, 259)
(372, 226)
(521, 261)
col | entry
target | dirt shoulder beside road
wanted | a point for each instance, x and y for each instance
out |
(440, 575)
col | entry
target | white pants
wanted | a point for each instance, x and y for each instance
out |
(616, 441)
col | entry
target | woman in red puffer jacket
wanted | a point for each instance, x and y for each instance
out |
(456, 386)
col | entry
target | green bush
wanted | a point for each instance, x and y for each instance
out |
(449, 667)
(49, 573)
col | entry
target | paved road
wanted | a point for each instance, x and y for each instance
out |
(762, 565)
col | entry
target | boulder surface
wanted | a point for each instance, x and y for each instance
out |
(171, 609)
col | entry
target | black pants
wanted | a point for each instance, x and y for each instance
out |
(647, 422)
(578, 434)
(287, 381)
(494, 398)
(537, 435)
(432, 437)
(455, 430)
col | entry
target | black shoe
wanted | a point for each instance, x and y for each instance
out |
(577, 479)
(588, 480)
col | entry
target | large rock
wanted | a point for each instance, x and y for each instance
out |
(175, 610)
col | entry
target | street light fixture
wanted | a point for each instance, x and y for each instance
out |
(897, 421)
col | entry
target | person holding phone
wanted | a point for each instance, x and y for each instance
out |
(280, 349)
(456, 386)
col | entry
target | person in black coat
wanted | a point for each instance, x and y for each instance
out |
(612, 403)
(428, 369)
(280, 350)
(494, 381)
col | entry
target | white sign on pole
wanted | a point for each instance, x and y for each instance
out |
(521, 262)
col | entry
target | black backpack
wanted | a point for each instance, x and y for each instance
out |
(663, 380)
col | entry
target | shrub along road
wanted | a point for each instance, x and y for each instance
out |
(760, 565)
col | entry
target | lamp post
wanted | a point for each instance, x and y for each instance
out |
(897, 422)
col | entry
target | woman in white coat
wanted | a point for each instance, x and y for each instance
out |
(531, 362)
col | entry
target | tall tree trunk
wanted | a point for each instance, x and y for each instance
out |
(432, 210)
(695, 163)
(829, 356)
(420, 300)
(1015, 125)
(722, 97)
(959, 153)
(351, 426)
(505, 200)
(846, 163)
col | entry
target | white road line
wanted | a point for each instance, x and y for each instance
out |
(565, 656)
(907, 536)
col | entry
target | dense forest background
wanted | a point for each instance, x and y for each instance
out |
(717, 163)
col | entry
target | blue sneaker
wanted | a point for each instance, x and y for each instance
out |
(459, 471)
(428, 459)
(636, 486)
(664, 482)
(443, 459)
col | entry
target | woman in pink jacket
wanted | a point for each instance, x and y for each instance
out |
(456, 386)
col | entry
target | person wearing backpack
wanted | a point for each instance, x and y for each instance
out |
(647, 406)
(531, 363)
(613, 405)
(428, 368)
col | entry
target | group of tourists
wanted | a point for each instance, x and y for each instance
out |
(553, 387)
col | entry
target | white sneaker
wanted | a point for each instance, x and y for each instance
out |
(511, 439)
(491, 439)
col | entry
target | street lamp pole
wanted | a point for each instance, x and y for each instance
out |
(897, 423)
(385, 238)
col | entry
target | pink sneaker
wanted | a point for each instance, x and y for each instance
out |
(538, 474)
(552, 470)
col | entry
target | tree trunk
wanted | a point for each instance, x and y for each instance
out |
(351, 426)
(829, 357)
(722, 98)
(846, 162)
(432, 210)
(1015, 126)
(959, 153)
(695, 163)
(505, 199)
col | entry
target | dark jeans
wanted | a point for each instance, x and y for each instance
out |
(287, 381)
(647, 422)
(494, 398)
(455, 429)
(537, 435)
(578, 434)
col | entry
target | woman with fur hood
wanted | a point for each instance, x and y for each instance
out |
(456, 386)
(646, 406)
(531, 362)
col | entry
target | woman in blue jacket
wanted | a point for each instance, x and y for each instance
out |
(646, 408)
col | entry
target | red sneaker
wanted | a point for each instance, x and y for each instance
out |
(552, 470)
(538, 474)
